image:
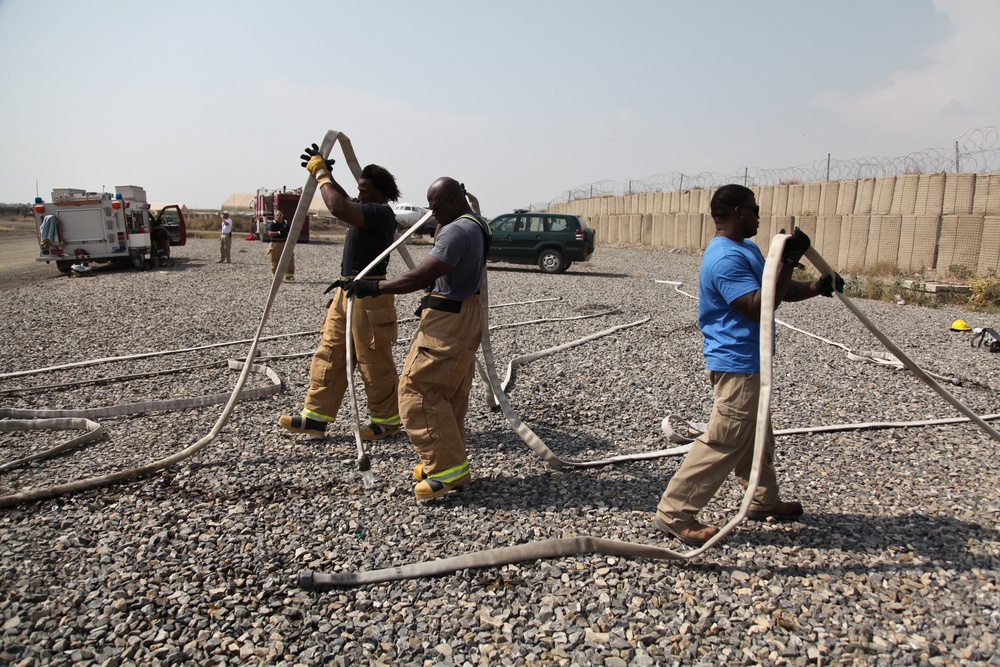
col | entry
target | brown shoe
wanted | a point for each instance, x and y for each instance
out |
(694, 534)
(781, 512)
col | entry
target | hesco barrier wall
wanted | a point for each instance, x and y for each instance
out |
(937, 223)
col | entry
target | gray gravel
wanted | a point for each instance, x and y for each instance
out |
(894, 563)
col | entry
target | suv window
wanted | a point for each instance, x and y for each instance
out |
(504, 225)
(534, 223)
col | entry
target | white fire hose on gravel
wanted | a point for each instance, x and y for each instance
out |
(12, 419)
(80, 419)
(568, 546)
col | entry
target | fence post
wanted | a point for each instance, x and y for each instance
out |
(957, 171)
(827, 167)
(681, 186)
(746, 170)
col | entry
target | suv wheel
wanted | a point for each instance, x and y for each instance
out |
(550, 261)
(565, 266)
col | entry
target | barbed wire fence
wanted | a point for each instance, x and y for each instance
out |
(976, 151)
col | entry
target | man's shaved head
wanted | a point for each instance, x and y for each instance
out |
(446, 198)
(445, 187)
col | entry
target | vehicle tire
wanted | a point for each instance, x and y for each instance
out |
(64, 265)
(565, 266)
(138, 262)
(550, 261)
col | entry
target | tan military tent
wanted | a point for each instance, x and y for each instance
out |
(239, 202)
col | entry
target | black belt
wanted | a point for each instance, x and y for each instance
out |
(438, 303)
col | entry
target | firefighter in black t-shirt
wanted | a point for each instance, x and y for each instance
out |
(371, 227)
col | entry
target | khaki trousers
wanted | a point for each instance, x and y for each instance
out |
(225, 247)
(726, 446)
(274, 250)
(435, 384)
(375, 331)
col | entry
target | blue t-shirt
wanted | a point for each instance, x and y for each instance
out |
(728, 271)
(459, 244)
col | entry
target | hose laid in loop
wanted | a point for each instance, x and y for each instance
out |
(579, 545)
(583, 544)
(81, 419)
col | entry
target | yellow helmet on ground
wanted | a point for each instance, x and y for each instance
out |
(960, 325)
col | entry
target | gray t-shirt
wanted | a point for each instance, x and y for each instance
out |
(459, 244)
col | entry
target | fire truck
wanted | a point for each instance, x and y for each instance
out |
(269, 201)
(80, 227)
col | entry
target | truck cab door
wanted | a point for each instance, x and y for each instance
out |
(173, 221)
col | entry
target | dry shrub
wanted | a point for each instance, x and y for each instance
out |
(985, 292)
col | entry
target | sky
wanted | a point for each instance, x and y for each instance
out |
(519, 100)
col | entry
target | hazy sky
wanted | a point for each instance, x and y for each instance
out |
(195, 100)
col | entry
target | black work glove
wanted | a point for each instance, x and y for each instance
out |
(828, 283)
(795, 247)
(316, 163)
(335, 285)
(362, 288)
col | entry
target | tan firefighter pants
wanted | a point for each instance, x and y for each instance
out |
(375, 332)
(274, 250)
(726, 446)
(435, 384)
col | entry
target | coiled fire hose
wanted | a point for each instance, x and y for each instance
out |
(583, 544)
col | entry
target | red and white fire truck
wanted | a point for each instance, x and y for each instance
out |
(80, 227)
(269, 201)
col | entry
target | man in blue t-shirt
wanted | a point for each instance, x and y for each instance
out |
(729, 296)
(437, 375)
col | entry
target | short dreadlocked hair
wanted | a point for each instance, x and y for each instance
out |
(383, 181)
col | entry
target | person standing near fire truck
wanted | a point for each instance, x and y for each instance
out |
(226, 239)
(371, 228)
(277, 233)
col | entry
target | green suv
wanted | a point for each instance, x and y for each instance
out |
(553, 241)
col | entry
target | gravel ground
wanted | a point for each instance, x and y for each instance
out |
(894, 563)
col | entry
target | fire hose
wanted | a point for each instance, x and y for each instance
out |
(82, 419)
(545, 549)
(579, 545)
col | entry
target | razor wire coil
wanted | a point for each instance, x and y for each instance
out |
(976, 151)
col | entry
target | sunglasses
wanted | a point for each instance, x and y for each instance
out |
(755, 208)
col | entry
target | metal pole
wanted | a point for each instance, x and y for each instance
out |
(827, 167)
(957, 170)
(681, 185)
(746, 170)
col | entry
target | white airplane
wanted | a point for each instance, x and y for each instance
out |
(408, 215)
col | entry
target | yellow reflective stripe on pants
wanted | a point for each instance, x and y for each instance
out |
(451, 474)
(388, 421)
(317, 416)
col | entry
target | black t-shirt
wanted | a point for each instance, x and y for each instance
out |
(282, 228)
(364, 244)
